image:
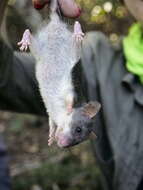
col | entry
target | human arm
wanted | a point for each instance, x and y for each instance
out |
(18, 86)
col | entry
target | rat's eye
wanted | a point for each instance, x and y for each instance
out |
(78, 129)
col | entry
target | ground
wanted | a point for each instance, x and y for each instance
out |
(35, 166)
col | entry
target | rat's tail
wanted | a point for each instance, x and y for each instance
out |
(54, 6)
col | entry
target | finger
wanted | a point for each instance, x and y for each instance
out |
(69, 8)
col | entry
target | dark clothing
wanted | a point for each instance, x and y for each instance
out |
(18, 92)
(121, 117)
(119, 123)
(5, 182)
(18, 87)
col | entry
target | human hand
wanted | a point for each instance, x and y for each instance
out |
(69, 8)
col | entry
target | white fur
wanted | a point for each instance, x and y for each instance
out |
(55, 52)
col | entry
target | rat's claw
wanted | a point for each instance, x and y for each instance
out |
(78, 38)
(24, 45)
(26, 48)
(19, 43)
(21, 48)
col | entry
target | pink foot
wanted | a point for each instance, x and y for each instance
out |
(50, 141)
(78, 34)
(25, 42)
(69, 102)
(70, 108)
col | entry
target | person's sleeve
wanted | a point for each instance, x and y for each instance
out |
(96, 60)
(5, 180)
(95, 47)
(18, 86)
(95, 57)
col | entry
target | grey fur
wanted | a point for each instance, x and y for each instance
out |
(56, 53)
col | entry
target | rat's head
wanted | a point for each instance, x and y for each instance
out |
(78, 125)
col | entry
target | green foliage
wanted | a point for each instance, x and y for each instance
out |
(104, 15)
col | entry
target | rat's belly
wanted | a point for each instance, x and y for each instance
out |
(54, 85)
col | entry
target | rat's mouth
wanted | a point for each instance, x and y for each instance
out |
(64, 141)
(67, 141)
(68, 144)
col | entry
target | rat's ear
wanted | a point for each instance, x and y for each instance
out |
(91, 109)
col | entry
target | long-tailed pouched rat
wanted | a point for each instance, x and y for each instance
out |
(57, 50)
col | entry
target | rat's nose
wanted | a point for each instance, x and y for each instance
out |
(63, 141)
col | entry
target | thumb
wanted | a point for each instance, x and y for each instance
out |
(69, 8)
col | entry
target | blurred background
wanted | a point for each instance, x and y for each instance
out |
(33, 165)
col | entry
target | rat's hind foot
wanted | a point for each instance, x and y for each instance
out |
(69, 101)
(25, 42)
(52, 129)
(50, 141)
(78, 33)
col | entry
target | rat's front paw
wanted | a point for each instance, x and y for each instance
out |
(25, 42)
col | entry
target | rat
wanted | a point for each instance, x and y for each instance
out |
(57, 50)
